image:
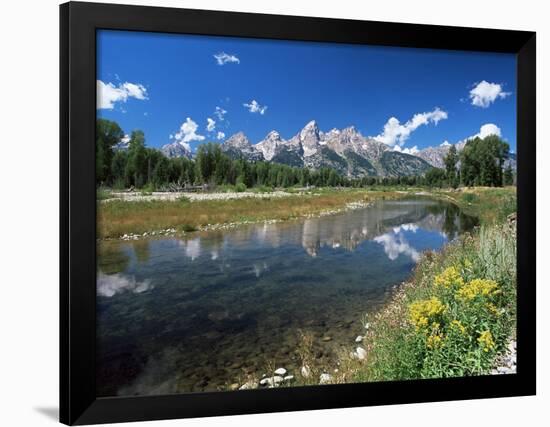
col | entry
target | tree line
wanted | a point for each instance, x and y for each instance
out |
(141, 167)
(480, 163)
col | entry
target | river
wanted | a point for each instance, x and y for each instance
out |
(198, 313)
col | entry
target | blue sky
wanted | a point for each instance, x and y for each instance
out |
(170, 85)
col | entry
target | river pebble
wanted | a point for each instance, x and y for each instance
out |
(507, 363)
(280, 371)
(325, 378)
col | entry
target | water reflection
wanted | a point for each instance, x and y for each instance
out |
(334, 233)
(177, 315)
(395, 244)
(109, 285)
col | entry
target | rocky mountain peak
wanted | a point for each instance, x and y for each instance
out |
(309, 138)
(310, 130)
(273, 136)
(269, 146)
(238, 140)
(176, 149)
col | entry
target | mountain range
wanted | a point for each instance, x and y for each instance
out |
(345, 150)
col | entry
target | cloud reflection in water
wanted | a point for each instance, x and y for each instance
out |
(396, 244)
(109, 285)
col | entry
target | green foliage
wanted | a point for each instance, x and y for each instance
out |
(108, 134)
(188, 228)
(102, 194)
(454, 318)
(136, 166)
(508, 176)
(451, 172)
(435, 177)
(240, 187)
(482, 161)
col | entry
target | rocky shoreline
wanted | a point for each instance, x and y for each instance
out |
(280, 377)
(507, 363)
(136, 196)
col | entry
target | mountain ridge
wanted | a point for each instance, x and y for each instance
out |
(345, 150)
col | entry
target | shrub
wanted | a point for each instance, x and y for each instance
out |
(240, 187)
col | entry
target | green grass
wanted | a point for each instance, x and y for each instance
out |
(490, 205)
(103, 194)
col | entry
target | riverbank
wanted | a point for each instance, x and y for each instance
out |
(141, 218)
(135, 215)
(456, 315)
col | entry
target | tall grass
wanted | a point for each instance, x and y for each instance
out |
(117, 217)
(452, 319)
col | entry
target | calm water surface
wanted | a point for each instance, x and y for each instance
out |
(177, 315)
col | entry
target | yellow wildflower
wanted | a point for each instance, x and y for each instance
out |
(477, 287)
(421, 312)
(457, 324)
(486, 341)
(448, 278)
(434, 341)
(493, 309)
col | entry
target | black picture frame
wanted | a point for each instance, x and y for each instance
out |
(78, 25)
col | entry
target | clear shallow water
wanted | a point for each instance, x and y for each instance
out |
(178, 315)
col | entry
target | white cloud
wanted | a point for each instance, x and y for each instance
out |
(188, 133)
(210, 124)
(484, 94)
(133, 90)
(125, 139)
(486, 130)
(255, 107)
(223, 58)
(108, 94)
(412, 150)
(220, 135)
(396, 133)
(220, 113)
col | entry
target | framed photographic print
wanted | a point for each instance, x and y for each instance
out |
(273, 213)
